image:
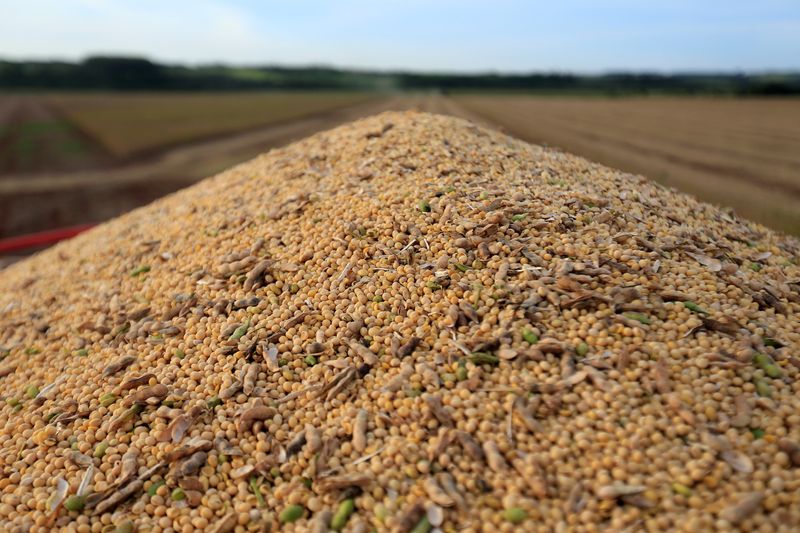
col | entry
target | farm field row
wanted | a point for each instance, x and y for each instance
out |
(743, 153)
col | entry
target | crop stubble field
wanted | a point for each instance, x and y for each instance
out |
(743, 153)
(70, 158)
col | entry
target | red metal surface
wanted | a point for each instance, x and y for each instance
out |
(42, 238)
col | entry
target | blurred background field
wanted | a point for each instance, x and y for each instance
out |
(73, 158)
(742, 153)
(86, 137)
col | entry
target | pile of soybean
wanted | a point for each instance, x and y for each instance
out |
(408, 323)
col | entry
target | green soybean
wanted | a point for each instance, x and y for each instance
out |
(342, 514)
(763, 388)
(515, 515)
(239, 332)
(151, 491)
(100, 450)
(529, 336)
(75, 503)
(582, 349)
(681, 489)
(291, 513)
(765, 363)
(107, 399)
(639, 317)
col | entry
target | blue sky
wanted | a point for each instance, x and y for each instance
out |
(448, 35)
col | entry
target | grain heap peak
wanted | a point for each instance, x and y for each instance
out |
(405, 323)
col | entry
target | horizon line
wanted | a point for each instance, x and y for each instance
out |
(428, 72)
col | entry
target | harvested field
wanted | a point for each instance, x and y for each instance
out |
(130, 124)
(734, 152)
(743, 153)
(404, 323)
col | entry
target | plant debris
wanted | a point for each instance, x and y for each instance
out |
(433, 327)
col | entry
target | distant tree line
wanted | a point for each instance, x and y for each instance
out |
(137, 74)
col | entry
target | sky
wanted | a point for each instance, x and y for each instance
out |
(587, 36)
